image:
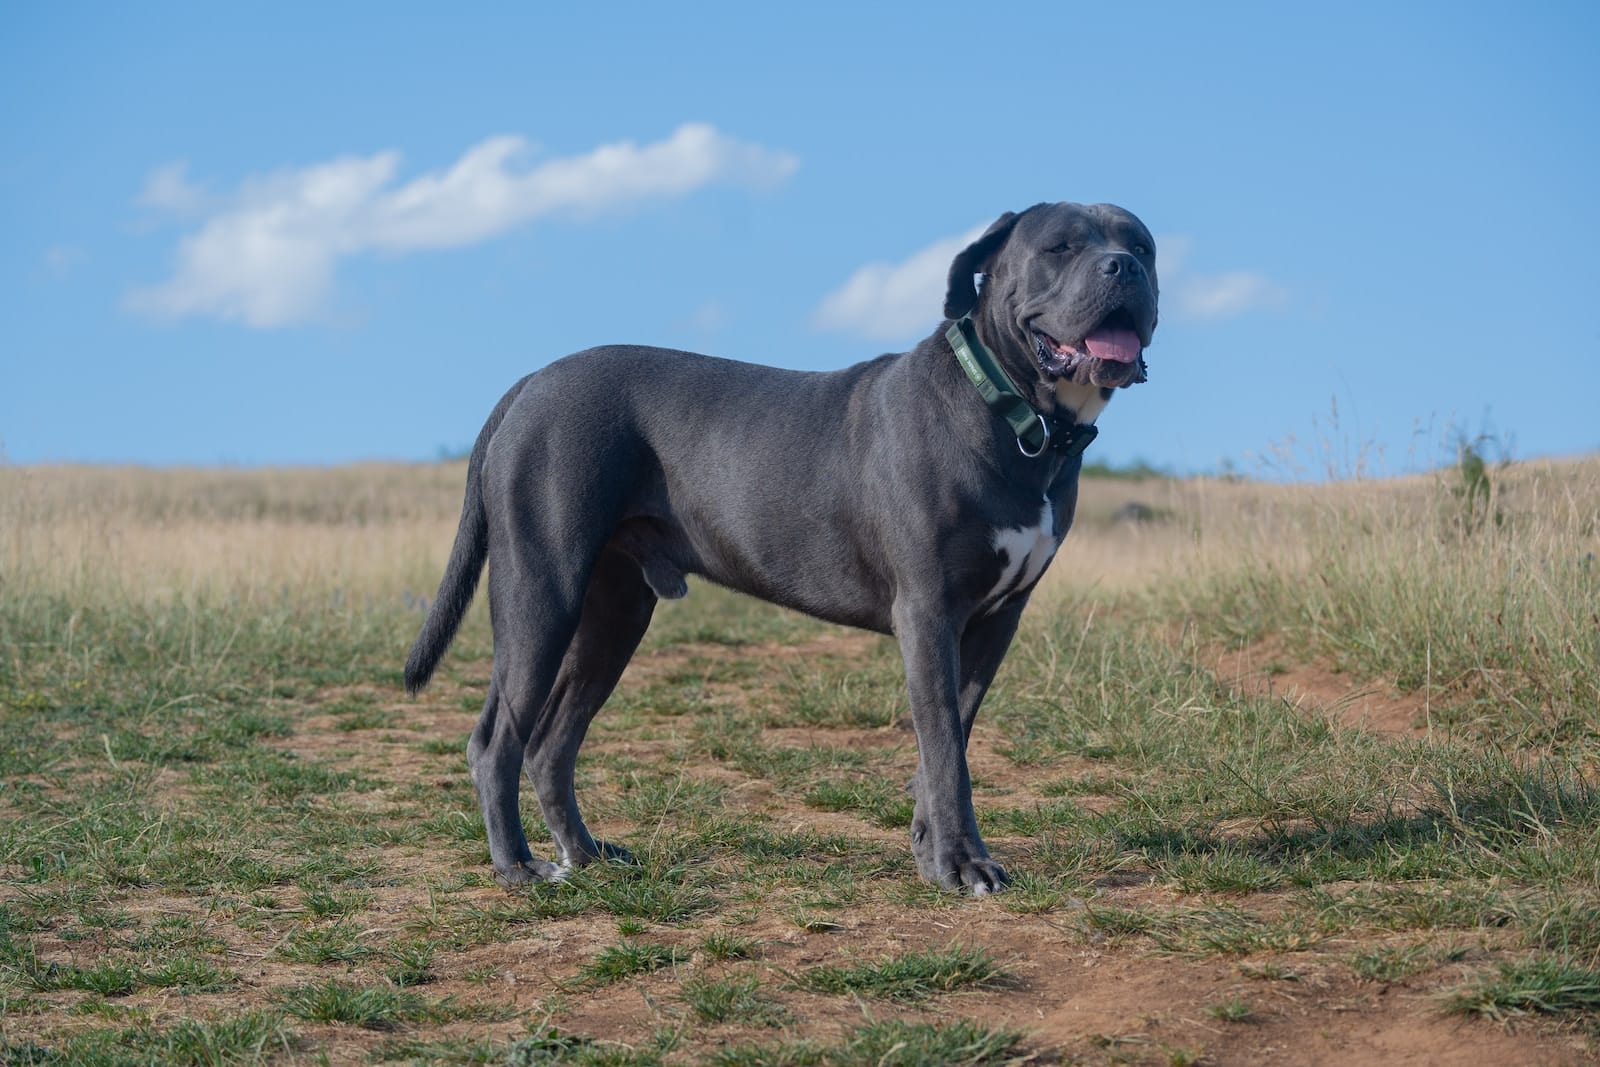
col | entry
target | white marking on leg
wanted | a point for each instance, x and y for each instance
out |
(1027, 551)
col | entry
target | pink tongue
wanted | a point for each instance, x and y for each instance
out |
(1121, 346)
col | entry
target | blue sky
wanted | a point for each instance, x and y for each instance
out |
(299, 233)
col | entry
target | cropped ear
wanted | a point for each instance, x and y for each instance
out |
(961, 295)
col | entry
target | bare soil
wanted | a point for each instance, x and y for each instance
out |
(1265, 669)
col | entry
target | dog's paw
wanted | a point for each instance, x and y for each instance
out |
(979, 877)
(528, 872)
(610, 853)
(962, 871)
(595, 852)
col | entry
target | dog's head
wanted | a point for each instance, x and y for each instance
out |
(1069, 294)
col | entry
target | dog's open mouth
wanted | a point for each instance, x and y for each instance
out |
(1109, 355)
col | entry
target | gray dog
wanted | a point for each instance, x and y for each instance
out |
(920, 494)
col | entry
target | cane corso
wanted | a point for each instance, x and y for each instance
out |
(921, 494)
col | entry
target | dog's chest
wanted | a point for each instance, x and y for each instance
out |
(1024, 553)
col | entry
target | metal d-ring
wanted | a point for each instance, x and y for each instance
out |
(1043, 445)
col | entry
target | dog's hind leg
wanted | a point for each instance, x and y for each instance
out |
(616, 612)
(535, 598)
(513, 861)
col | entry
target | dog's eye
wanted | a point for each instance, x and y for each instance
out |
(1060, 249)
(1140, 250)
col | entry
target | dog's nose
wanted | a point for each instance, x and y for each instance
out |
(1117, 263)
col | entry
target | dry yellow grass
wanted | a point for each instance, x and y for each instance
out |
(1413, 580)
(1492, 596)
(384, 530)
(140, 534)
(1206, 526)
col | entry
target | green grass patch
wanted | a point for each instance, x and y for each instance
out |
(657, 890)
(1232, 1010)
(1396, 963)
(733, 999)
(336, 942)
(891, 1043)
(725, 946)
(380, 1007)
(411, 962)
(911, 976)
(1545, 985)
(626, 959)
(237, 1040)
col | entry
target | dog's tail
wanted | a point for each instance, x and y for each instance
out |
(467, 556)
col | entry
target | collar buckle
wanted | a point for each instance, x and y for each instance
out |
(1077, 439)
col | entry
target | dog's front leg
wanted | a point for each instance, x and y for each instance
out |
(983, 648)
(944, 828)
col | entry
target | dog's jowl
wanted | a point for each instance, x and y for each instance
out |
(935, 486)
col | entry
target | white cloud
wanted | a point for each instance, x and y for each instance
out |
(168, 190)
(60, 260)
(267, 257)
(1212, 296)
(1223, 296)
(709, 318)
(1172, 252)
(894, 301)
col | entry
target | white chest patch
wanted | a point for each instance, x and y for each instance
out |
(1027, 550)
(1085, 400)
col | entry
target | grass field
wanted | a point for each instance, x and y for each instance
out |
(1284, 774)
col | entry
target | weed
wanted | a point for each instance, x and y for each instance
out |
(327, 903)
(718, 1000)
(411, 963)
(550, 1046)
(189, 974)
(1391, 963)
(374, 1007)
(911, 976)
(724, 946)
(109, 977)
(879, 802)
(891, 1043)
(249, 1037)
(1232, 1010)
(336, 942)
(1222, 868)
(627, 959)
(1473, 490)
(1543, 984)
(1568, 926)
(1270, 972)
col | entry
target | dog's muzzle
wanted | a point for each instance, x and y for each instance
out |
(1109, 356)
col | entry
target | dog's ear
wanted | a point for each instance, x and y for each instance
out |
(961, 295)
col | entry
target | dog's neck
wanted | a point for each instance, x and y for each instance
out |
(1053, 399)
(1086, 402)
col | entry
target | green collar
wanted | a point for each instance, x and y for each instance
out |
(1034, 433)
